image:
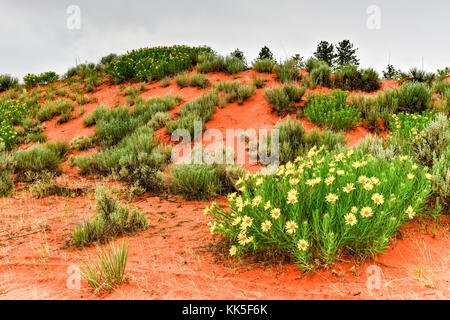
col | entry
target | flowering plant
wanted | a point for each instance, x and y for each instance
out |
(322, 206)
(43, 78)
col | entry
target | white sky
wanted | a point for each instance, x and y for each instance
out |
(35, 38)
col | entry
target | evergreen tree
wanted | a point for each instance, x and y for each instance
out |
(325, 52)
(265, 53)
(390, 73)
(240, 55)
(346, 54)
(298, 61)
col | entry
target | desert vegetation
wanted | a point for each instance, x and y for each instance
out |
(360, 157)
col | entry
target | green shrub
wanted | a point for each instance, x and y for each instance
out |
(113, 125)
(204, 181)
(321, 74)
(109, 272)
(200, 109)
(43, 78)
(7, 82)
(165, 82)
(278, 99)
(234, 65)
(414, 97)
(182, 80)
(137, 159)
(244, 92)
(199, 80)
(332, 111)
(294, 142)
(287, 71)
(294, 92)
(187, 123)
(283, 99)
(311, 64)
(112, 220)
(441, 180)
(418, 75)
(210, 62)
(432, 141)
(370, 80)
(83, 143)
(154, 63)
(159, 120)
(195, 181)
(348, 78)
(38, 160)
(441, 86)
(6, 171)
(51, 109)
(374, 108)
(37, 137)
(259, 82)
(321, 208)
(132, 91)
(263, 65)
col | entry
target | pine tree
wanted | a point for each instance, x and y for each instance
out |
(298, 61)
(325, 52)
(346, 54)
(240, 55)
(265, 53)
(390, 73)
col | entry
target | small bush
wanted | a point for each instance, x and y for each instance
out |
(331, 110)
(200, 109)
(283, 99)
(137, 159)
(311, 64)
(112, 220)
(208, 179)
(6, 171)
(414, 97)
(195, 181)
(418, 75)
(234, 65)
(263, 65)
(210, 63)
(294, 142)
(159, 120)
(165, 82)
(244, 92)
(259, 82)
(182, 80)
(441, 86)
(199, 80)
(83, 143)
(51, 109)
(348, 78)
(43, 78)
(370, 80)
(432, 141)
(441, 180)
(109, 272)
(31, 164)
(321, 74)
(322, 208)
(288, 71)
(294, 92)
(7, 82)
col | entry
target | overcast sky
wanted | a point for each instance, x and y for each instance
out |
(35, 37)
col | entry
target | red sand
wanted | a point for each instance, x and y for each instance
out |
(171, 259)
